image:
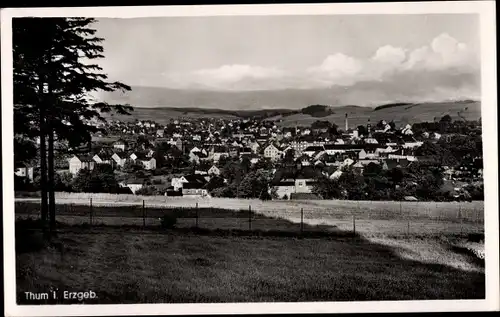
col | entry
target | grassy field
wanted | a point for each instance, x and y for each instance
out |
(473, 211)
(378, 220)
(229, 258)
(420, 112)
(139, 266)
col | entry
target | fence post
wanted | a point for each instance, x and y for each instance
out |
(249, 217)
(197, 215)
(354, 225)
(91, 211)
(301, 220)
(408, 228)
(143, 214)
(400, 208)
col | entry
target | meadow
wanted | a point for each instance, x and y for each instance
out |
(249, 254)
(374, 218)
(137, 266)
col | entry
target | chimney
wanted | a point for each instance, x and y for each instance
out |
(346, 124)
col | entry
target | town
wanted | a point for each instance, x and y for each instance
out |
(255, 158)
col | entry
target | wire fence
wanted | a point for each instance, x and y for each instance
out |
(453, 218)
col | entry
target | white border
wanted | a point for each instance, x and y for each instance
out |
(486, 10)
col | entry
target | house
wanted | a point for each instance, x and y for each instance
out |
(103, 158)
(194, 185)
(358, 166)
(368, 153)
(393, 163)
(217, 152)
(272, 152)
(407, 130)
(403, 153)
(370, 140)
(254, 146)
(347, 162)
(194, 158)
(288, 181)
(312, 150)
(336, 174)
(78, 162)
(194, 149)
(410, 142)
(148, 162)
(119, 159)
(133, 184)
(332, 149)
(179, 144)
(22, 170)
(160, 133)
(383, 150)
(245, 151)
(178, 182)
(214, 170)
(120, 144)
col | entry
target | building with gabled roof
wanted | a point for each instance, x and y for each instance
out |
(292, 180)
(272, 152)
(80, 161)
(120, 144)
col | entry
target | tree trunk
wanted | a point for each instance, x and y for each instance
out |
(50, 156)
(50, 187)
(43, 172)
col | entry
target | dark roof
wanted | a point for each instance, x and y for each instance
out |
(104, 156)
(332, 146)
(220, 149)
(306, 172)
(195, 179)
(84, 157)
(193, 186)
(392, 163)
(142, 156)
(314, 148)
(200, 154)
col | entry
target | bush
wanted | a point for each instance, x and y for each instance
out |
(147, 191)
(157, 181)
(168, 221)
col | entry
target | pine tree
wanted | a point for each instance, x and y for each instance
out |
(53, 84)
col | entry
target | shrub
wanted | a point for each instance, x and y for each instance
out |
(168, 221)
(147, 191)
(157, 181)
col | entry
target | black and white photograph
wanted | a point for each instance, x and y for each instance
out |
(250, 158)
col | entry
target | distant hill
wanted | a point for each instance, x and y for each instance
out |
(391, 105)
(400, 114)
(318, 111)
(291, 106)
(165, 114)
(155, 97)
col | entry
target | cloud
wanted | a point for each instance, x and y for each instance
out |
(445, 52)
(444, 66)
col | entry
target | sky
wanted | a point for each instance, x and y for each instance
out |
(380, 56)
